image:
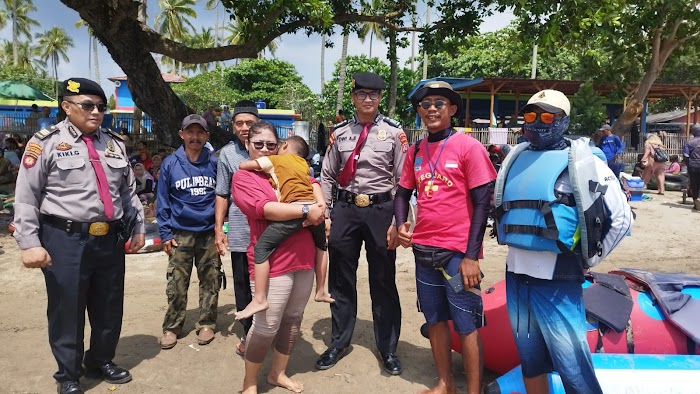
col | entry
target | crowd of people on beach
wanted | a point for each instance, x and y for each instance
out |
(83, 192)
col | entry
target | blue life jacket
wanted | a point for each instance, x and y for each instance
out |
(532, 215)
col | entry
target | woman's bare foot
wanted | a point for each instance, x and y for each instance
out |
(252, 308)
(323, 297)
(439, 389)
(284, 381)
(252, 389)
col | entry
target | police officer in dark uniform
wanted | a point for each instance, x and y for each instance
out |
(74, 186)
(365, 162)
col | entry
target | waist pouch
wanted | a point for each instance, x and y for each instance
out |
(128, 223)
(431, 256)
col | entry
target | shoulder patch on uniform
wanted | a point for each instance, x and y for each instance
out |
(31, 154)
(331, 138)
(114, 134)
(392, 122)
(404, 141)
(341, 124)
(43, 133)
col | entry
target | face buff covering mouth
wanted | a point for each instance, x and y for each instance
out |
(546, 136)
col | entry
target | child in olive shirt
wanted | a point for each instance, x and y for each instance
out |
(289, 175)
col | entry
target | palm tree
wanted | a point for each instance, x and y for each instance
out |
(203, 39)
(323, 59)
(371, 28)
(92, 48)
(343, 66)
(173, 21)
(17, 11)
(237, 34)
(53, 45)
(27, 59)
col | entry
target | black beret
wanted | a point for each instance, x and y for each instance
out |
(367, 80)
(245, 107)
(79, 86)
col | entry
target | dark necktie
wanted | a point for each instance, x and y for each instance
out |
(102, 186)
(351, 166)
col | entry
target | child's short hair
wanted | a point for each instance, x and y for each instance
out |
(673, 158)
(298, 145)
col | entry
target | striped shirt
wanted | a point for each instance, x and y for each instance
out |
(230, 158)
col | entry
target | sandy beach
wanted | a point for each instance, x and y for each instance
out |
(664, 238)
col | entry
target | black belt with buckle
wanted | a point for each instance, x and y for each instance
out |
(363, 200)
(70, 226)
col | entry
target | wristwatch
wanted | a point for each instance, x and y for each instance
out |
(304, 211)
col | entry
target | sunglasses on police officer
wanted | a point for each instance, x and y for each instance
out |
(545, 117)
(88, 106)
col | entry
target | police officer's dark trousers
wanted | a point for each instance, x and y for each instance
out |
(350, 226)
(86, 271)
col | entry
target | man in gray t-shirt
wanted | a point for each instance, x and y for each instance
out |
(245, 114)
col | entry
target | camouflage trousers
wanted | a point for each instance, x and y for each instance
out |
(196, 249)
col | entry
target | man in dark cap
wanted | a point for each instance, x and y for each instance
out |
(186, 221)
(691, 156)
(612, 147)
(365, 161)
(447, 169)
(74, 186)
(245, 114)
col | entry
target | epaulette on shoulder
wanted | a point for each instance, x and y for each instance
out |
(341, 124)
(392, 122)
(43, 133)
(114, 134)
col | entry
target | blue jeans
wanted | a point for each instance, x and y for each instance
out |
(548, 320)
(439, 302)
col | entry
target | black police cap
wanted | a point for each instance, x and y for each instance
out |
(367, 80)
(80, 86)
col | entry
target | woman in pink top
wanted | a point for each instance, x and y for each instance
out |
(653, 168)
(291, 266)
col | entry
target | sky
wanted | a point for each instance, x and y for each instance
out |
(301, 51)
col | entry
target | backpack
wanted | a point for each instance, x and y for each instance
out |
(660, 154)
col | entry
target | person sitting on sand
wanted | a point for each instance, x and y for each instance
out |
(289, 173)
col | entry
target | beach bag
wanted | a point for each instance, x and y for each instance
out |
(660, 154)
(431, 256)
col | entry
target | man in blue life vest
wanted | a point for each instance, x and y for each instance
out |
(547, 209)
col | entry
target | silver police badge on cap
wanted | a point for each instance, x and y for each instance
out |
(381, 135)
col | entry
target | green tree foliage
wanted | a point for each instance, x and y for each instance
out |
(640, 36)
(111, 102)
(38, 78)
(273, 81)
(355, 64)
(587, 110)
(504, 54)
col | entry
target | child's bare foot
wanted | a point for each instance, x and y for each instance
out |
(324, 297)
(284, 381)
(252, 308)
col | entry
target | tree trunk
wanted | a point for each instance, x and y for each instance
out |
(323, 61)
(394, 73)
(96, 57)
(341, 78)
(634, 108)
(371, 38)
(15, 38)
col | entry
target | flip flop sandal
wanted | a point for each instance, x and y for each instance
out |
(205, 336)
(238, 347)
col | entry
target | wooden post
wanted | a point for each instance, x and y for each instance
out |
(466, 108)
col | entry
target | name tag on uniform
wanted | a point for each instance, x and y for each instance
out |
(451, 165)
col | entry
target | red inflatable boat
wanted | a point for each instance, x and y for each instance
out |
(651, 333)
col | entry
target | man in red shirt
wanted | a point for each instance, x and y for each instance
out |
(453, 177)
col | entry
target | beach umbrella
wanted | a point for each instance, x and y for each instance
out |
(20, 91)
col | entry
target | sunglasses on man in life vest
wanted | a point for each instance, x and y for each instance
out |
(545, 117)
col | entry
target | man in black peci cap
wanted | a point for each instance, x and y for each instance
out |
(365, 161)
(74, 186)
(245, 114)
